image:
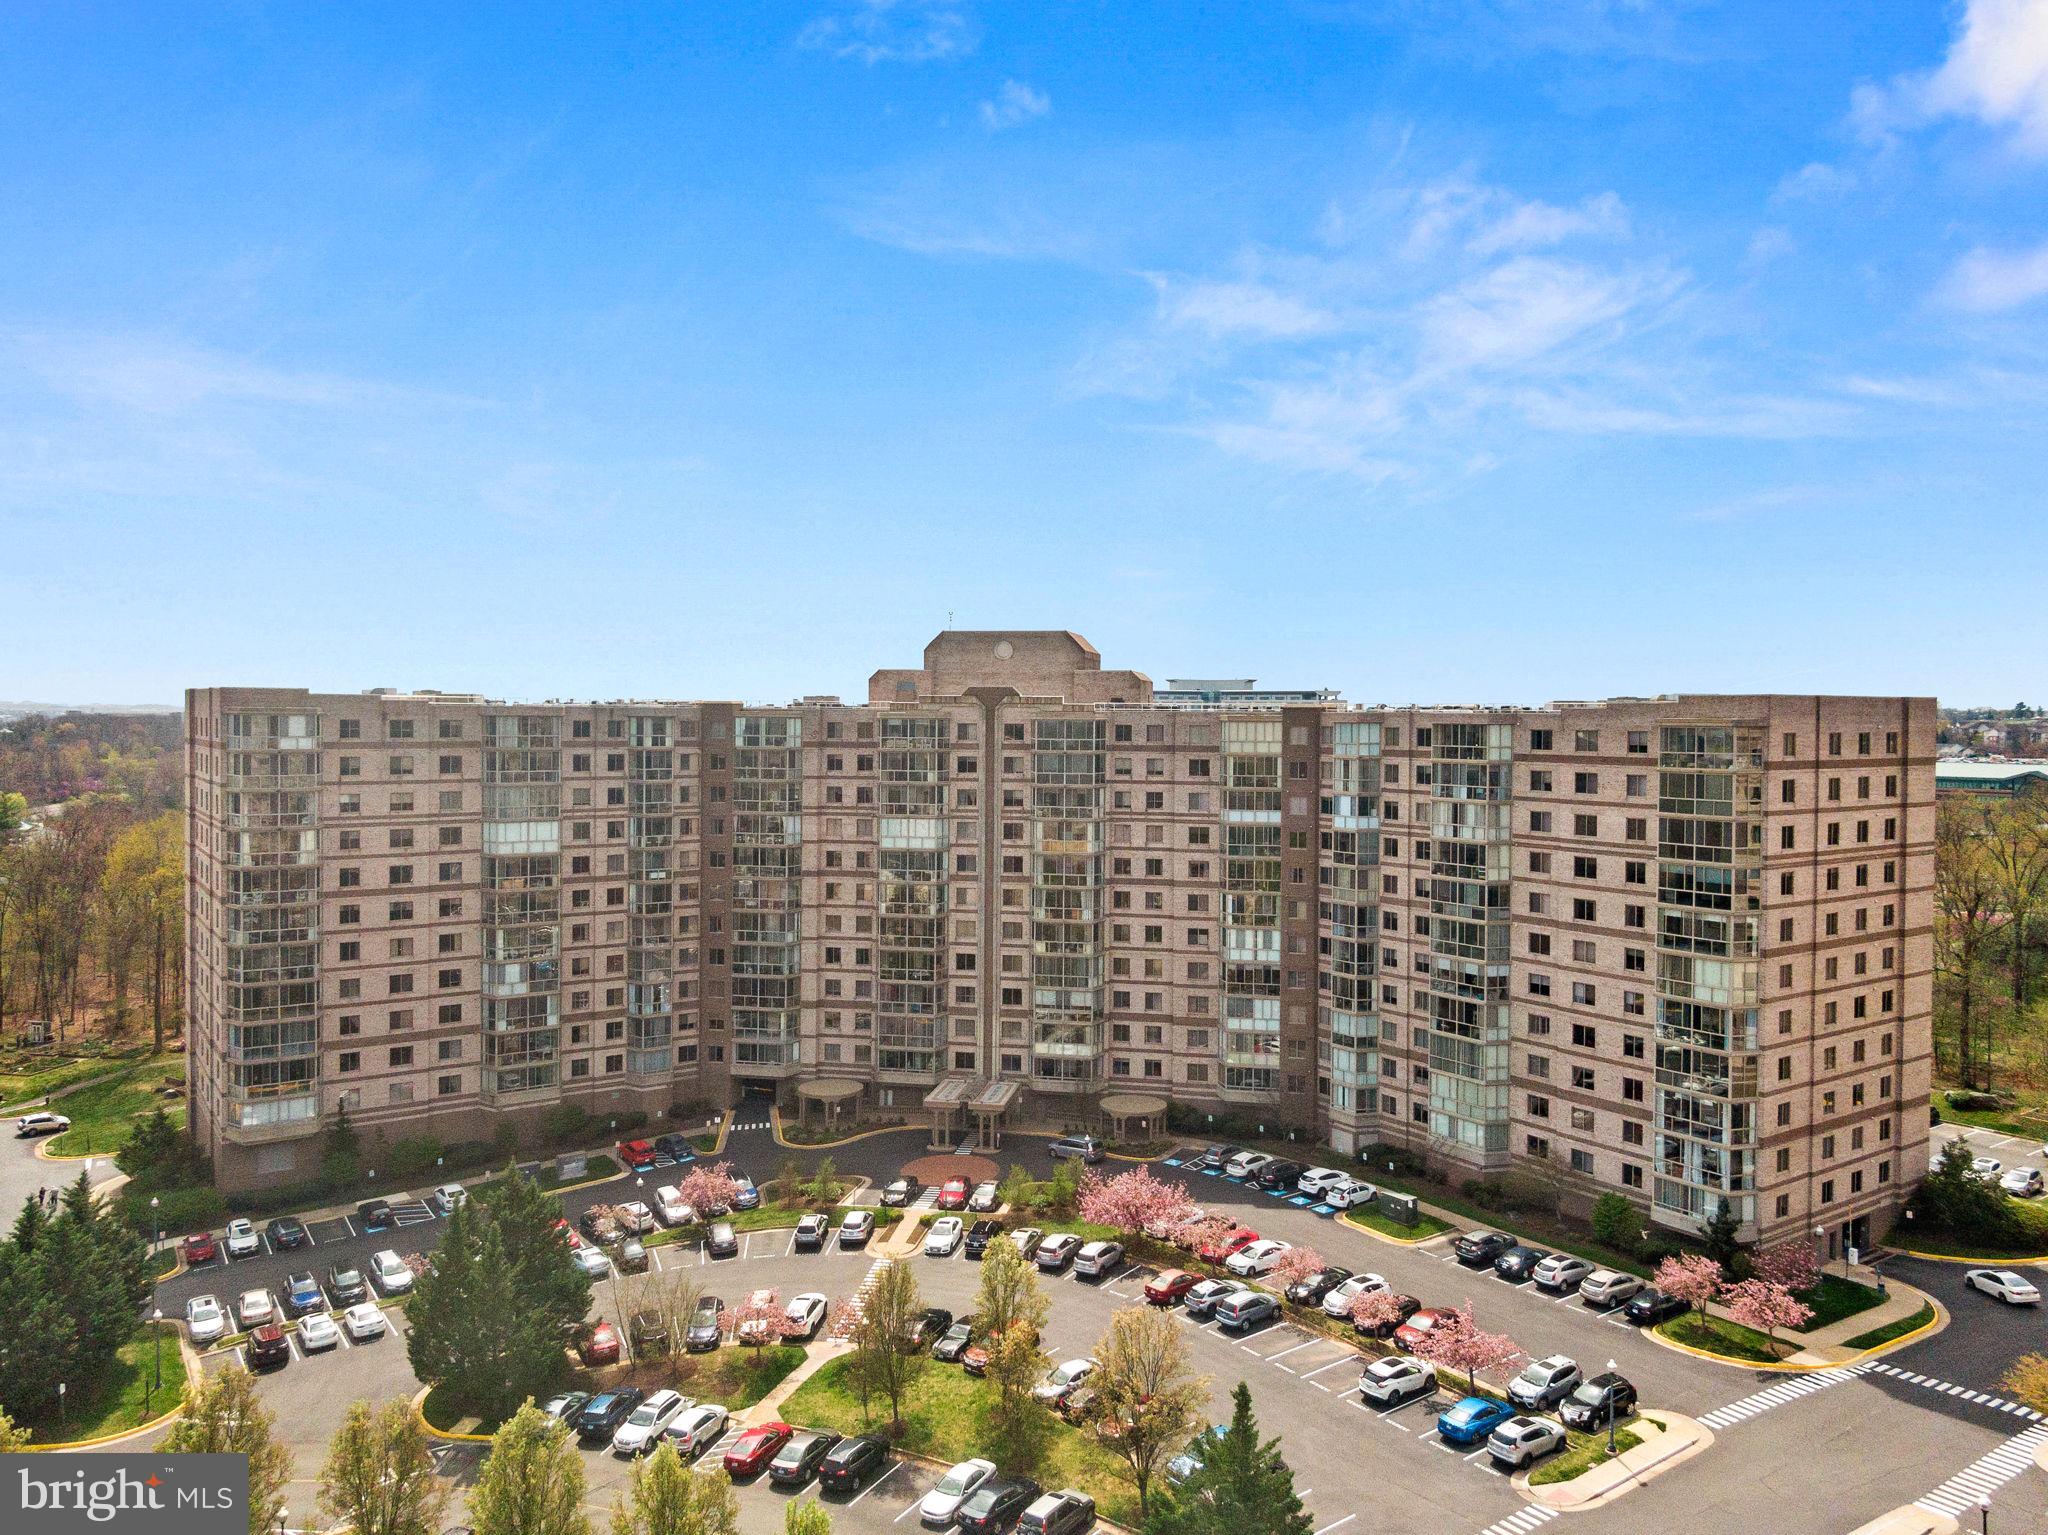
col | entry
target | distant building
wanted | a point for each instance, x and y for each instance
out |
(1998, 778)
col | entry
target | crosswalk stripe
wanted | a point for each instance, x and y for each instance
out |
(1987, 1474)
(1521, 1521)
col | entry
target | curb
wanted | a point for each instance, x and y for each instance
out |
(1981, 1262)
(419, 1405)
(1634, 1477)
(1344, 1218)
(775, 1129)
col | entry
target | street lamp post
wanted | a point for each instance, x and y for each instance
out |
(1984, 1514)
(156, 1374)
(1819, 1236)
(60, 1404)
(1610, 1413)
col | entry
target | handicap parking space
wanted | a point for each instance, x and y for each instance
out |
(411, 1212)
(337, 1228)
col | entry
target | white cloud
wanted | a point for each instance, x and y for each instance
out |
(1767, 245)
(1515, 314)
(892, 31)
(1814, 181)
(1015, 103)
(1996, 72)
(1985, 281)
(1532, 225)
(1226, 308)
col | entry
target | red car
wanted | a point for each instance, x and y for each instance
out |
(953, 1194)
(569, 1232)
(200, 1247)
(1171, 1287)
(600, 1344)
(1216, 1252)
(638, 1155)
(267, 1347)
(756, 1447)
(1416, 1328)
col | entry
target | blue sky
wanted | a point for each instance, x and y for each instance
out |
(1495, 350)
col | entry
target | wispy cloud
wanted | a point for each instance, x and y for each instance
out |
(1015, 103)
(1237, 308)
(1985, 281)
(1996, 72)
(1814, 182)
(893, 31)
(1536, 225)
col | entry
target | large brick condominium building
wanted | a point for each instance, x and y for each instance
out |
(1674, 946)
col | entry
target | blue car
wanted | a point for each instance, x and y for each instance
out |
(1195, 1456)
(302, 1295)
(1472, 1419)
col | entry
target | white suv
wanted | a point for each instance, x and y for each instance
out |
(1097, 1258)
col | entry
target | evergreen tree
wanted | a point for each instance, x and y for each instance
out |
(1718, 1234)
(1242, 1488)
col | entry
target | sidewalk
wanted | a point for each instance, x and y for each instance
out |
(1679, 1440)
(1829, 1345)
(769, 1408)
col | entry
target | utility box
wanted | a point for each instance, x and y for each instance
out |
(1397, 1207)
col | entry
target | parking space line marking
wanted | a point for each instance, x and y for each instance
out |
(895, 1466)
(1330, 1366)
(1337, 1525)
(1305, 1343)
(1475, 1454)
(907, 1508)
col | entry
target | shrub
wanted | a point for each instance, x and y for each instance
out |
(179, 1210)
(1616, 1223)
(413, 1156)
(1955, 1200)
(1971, 1102)
(566, 1122)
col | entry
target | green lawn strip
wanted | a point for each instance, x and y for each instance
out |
(1892, 1330)
(23, 1087)
(164, 1261)
(1426, 1225)
(942, 1418)
(594, 1167)
(1998, 1120)
(124, 1400)
(1918, 1236)
(704, 1143)
(1718, 1335)
(1834, 1299)
(1581, 1454)
(103, 1114)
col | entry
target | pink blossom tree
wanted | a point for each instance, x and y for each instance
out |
(1765, 1306)
(1791, 1264)
(1209, 1231)
(1376, 1311)
(1458, 1343)
(1692, 1278)
(1297, 1264)
(705, 1189)
(760, 1320)
(1134, 1201)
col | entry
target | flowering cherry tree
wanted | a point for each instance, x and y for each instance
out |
(705, 1189)
(760, 1320)
(1297, 1264)
(1458, 1343)
(1791, 1264)
(1134, 1201)
(1766, 1306)
(1209, 1231)
(1376, 1311)
(1692, 1278)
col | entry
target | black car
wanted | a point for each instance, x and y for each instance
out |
(707, 1325)
(675, 1147)
(1478, 1249)
(1519, 1262)
(723, 1241)
(373, 1214)
(901, 1193)
(1408, 1304)
(979, 1235)
(603, 1413)
(849, 1463)
(931, 1327)
(953, 1342)
(1603, 1397)
(267, 1347)
(1310, 1291)
(994, 1506)
(1279, 1175)
(286, 1233)
(798, 1461)
(345, 1284)
(1649, 1307)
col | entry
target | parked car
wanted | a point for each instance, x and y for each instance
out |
(745, 1196)
(598, 1344)
(254, 1309)
(953, 1342)
(1545, 1382)
(391, 1272)
(1065, 1512)
(1986, 1168)
(1478, 1249)
(1281, 1174)
(1350, 1194)
(603, 1413)
(1608, 1288)
(302, 1294)
(199, 1248)
(1418, 1326)
(1028, 1239)
(345, 1285)
(806, 1313)
(1171, 1287)
(205, 1321)
(638, 1155)
(1256, 1257)
(798, 1461)
(930, 1327)
(849, 1464)
(1214, 1156)
(755, 1328)
(450, 1197)
(1057, 1251)
(1519, 1262)
(373, 1215)
(953, 1194)
(318, 1333)
(243, 1239)
(1097, 1259)
(594, 1261)
(632, 1257)
(1521, 1441)
(1202, 1298)
(2022, 1182)
(985, 1198)
(2003, 1284)
(1062, 1380)
(1314, 1180)
(267, 1347)
(707, 1325)
(979, 1235)
(996, 1505)
(975, 1360)
(696, 1429)
(565, 1407)
(287, 1233)
(635, 1216)
(1405, 1306)
(942, 1504)
(671, 1207)
(599, 1224)
(1196, 1455)
(1245, 1163)
(1650, 1307)
(856, 1227)
(1471, 1419)
(1560, 1273)
(943, 1237)
(1245, 1310)
(1594, 1402)
(722, 1241)
(1079, 1148)
(1396, 1379)
(364, 1320)
(649, 1334)
(901, 1194)
(675, 1147)
(644, 1425)
(1337, 1301)
(41, 1122)
(811, 1231)
(1310, 1291)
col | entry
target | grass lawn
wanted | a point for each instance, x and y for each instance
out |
(736, 1377)
(102, 1115)
(33, 1081)
(704, 1143)
(942, 1418)
(1718, 1335)
(1835, 1298)
(1426, 1225)
(1916, 1236)
(598, 1166)
(2028, 1126)
(164, 1260)
(125, 1399)
(1581, 1454)
(1891, 1330)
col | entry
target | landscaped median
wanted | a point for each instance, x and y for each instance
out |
(1365, 1218)
(735, 1377)
(1584, 1475)
(130, 1399)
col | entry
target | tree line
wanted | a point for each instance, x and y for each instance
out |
(1990, 886)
